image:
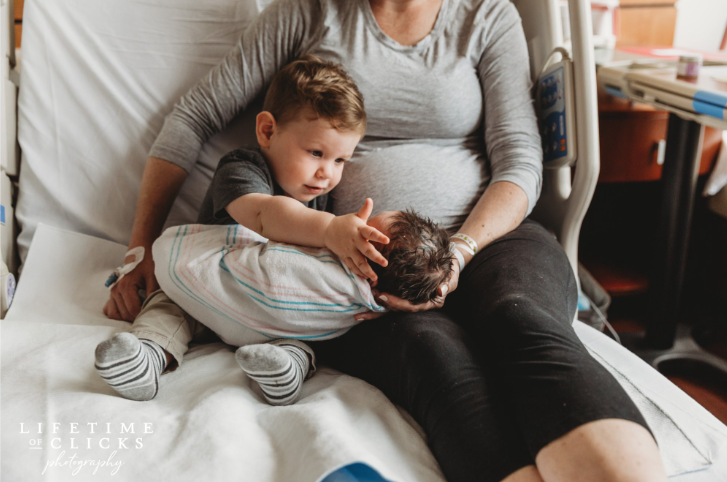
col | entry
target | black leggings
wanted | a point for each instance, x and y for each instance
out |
(498, 373)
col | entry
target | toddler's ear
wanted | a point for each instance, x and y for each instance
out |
(265, 128)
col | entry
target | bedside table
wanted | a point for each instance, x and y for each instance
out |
(691, 105)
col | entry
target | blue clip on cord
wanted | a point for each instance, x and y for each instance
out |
(112, 279)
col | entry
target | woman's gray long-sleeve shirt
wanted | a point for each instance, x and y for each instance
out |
(446, 116)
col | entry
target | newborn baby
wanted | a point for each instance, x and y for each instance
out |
(249, 290)
(419, 256)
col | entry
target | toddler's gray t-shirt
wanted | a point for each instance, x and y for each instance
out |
(240, 172)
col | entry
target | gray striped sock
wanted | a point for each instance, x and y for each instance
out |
(131, 366)
(279, 370)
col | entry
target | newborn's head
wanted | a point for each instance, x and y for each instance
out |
(418, 253)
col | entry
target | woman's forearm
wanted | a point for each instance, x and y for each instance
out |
(160, 185)
(501, 209)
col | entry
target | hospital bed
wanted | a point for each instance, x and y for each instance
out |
(95, 82)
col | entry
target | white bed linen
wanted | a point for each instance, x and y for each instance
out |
(98, 78)
(208, 407)
(690, 438)
(207, 422)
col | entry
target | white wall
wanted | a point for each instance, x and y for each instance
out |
(700, 24)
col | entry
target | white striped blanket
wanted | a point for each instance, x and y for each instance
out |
(250, 290)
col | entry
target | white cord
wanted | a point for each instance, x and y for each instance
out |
(564, 52)
(604, 320)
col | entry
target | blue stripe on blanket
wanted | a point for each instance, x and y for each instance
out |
(367, 305)
(356, 472)
(311, 337)
(333, 259)
(224, 266)
(180, 284)
(319, 258)
(303, 309)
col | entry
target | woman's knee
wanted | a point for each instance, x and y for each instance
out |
(528, 259)
(525, 280)
(517, 331)
(394, 351)
(607, 450)
(450, 393)
(432, 358)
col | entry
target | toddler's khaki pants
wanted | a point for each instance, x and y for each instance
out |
(164, 322)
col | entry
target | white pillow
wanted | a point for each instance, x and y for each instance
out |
(98, 79)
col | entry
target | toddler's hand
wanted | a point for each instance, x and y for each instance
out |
(349, 238)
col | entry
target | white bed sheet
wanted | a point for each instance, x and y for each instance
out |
(693, 443)
(98, 79)
(207, 421)
(208, 417)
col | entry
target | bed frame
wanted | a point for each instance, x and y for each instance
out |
(9, 150)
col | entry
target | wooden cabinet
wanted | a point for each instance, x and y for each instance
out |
(646, 22)
(619, 230)
(618, 234)
(18, 6)
(18, 34)
(630, 134)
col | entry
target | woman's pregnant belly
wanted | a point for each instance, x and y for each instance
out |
(443, 183)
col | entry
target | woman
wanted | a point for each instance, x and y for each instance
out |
(496, 377)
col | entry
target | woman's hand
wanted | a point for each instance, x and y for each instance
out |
(124, 303)
(394, 303)
(349, 238)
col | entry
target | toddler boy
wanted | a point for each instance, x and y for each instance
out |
(313, 118)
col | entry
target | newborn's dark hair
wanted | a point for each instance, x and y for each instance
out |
(419, 258)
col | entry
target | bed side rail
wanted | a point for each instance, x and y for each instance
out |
(9, 150)
(563, 204)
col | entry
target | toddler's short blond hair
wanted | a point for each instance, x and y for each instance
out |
(323, 87)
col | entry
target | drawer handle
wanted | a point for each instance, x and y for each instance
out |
(660, 151)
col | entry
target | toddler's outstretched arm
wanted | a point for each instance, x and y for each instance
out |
(286, 220)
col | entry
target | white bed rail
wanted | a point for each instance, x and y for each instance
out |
(566, 195)
(9, 151)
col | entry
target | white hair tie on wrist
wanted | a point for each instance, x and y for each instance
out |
(457, 254)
